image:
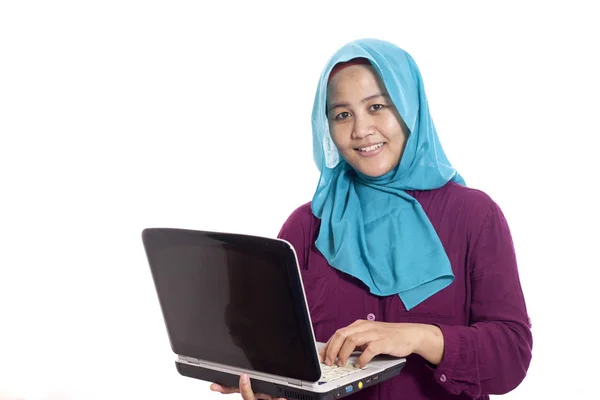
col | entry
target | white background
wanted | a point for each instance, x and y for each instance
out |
(120, 115)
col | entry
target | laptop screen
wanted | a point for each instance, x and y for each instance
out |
(234, 300)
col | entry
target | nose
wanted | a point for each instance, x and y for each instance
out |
(363, 126)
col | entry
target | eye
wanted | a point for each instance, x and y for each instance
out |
(342, 115)
(376, 107)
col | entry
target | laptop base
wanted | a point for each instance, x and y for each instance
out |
(286, 391)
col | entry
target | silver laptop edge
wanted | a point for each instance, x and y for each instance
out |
(372, 369)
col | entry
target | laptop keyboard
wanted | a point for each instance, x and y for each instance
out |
(332, 372)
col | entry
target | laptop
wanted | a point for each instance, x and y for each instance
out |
(234, 304)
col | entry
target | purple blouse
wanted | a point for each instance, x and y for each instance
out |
(482, 314)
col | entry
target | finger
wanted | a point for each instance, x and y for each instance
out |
(335, 344)
(323, 351)
(353, 341)
(245, 388)
(337, 340)
(222, 389)
(216, 388)
(372, 350)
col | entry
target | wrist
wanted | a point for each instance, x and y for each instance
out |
(430, 344)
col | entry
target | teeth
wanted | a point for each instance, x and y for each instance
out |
(371, 148)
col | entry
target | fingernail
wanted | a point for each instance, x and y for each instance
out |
(244, 378)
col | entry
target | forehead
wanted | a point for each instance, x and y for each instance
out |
(354, 81)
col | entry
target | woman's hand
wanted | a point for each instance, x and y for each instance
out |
(245, 390)
(374, 338)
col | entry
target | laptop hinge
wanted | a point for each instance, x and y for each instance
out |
(294, 382)
(190, 360)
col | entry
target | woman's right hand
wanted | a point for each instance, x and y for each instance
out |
(245, 390)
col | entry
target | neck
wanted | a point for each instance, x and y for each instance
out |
(378, 180)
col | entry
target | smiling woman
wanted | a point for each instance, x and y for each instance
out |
(397, 255)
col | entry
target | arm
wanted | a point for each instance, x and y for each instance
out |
(492, 355)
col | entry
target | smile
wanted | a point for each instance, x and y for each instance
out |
(370, 148)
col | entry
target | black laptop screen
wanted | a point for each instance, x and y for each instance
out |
(230, 299)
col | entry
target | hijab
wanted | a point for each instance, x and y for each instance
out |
(370, 227)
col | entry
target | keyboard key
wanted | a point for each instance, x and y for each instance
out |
(333, 372)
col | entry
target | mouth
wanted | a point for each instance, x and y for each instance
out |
(370, 149)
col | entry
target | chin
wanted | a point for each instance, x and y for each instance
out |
(374, 172)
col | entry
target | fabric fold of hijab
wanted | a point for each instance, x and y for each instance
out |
(370, 227)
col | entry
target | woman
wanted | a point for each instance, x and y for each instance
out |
(398, 257)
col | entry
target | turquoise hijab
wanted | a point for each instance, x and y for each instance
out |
(370, 227)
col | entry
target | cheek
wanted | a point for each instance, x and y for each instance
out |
(395, 133)
(397, 139)
(392, 124)
(339, 136)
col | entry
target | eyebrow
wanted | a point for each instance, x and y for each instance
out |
(374, 96)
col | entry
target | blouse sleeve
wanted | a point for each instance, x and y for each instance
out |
(492, 355)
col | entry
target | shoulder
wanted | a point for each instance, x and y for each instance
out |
(299, 229)
(474, 199)
(457, 198)
(458, 208)
(302, 213)
(299, 223)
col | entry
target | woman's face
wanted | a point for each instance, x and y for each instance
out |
(364, 124)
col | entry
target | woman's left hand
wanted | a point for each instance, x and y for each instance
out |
(374, 338)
